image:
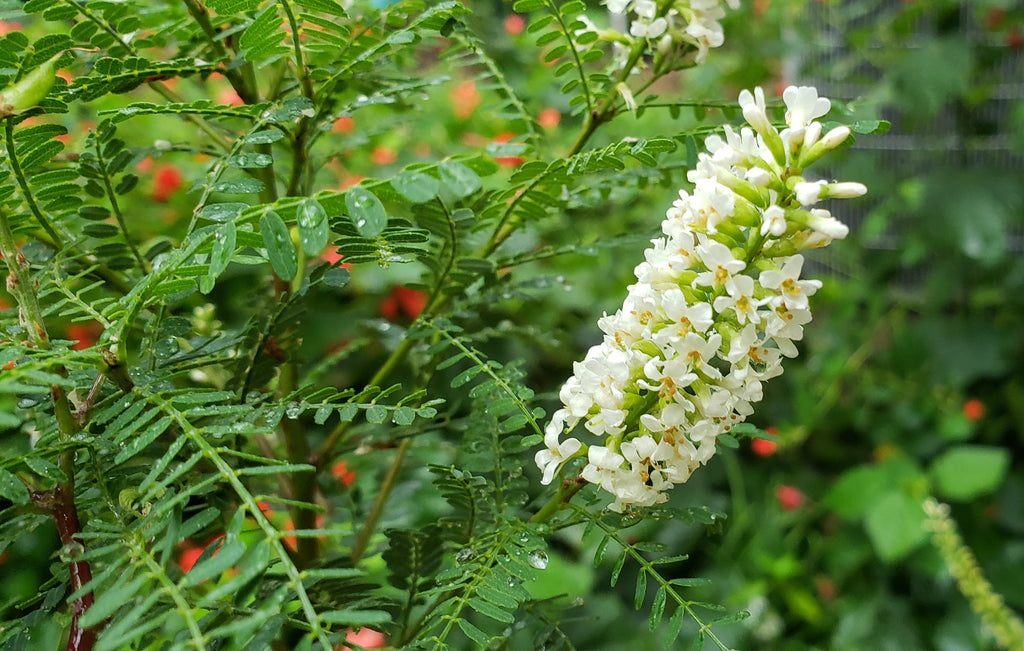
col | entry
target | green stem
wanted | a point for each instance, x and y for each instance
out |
(565, 492)
(116, 207)
(370, 524)
(30, 199)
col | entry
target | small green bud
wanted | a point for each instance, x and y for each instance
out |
(28, 92)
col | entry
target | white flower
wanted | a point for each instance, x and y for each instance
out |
(774, 221)
(808, 193)
(823, 222)
(602, 467)
(845, 190)
(652, 29)
(617, 6)
(754, 110)
(835, 137)
(803, 105)
(645, 9)
(720, 265)
(715, 307)
(554, 455)
(740, 300)
(794, 292)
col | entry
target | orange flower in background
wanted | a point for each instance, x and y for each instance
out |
(549, 118)
(341, 472)
(84, 334)
(383, 155)
(514, 24)
(366, 638)
(507, 161)
(465, 98)
(230, 97)
(344, 124)
(974, 410)
(1014, 38)
(765, 447)
(790, 498)
(191, 552)
(331, 256)
(403, 304)
(167, 180)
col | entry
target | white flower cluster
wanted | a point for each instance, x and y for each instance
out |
(718, 303)
(693, 21)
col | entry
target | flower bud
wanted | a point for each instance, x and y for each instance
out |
(32, 88)
(845, 190)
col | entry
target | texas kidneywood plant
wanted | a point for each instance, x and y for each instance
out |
(214, 482)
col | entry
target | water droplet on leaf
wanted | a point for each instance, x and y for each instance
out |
(537, 559)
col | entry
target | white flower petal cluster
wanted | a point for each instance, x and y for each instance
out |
(692, 21)
(718, 303)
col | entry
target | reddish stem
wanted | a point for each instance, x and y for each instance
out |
(61, 504)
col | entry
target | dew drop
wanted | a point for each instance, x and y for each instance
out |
(537, 559)
(71, 551)
(465, 554)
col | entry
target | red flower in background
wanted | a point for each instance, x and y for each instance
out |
(974, 410)
(465, 98)
(790, 498)
(341, 472)
(549, 118)
(403, 304)
(383, 155)
(167, 180)
(507, 161)
(83, 334)
(343, 124)
(514, 24)
(764, 447)
(190, 552)
(366, 638)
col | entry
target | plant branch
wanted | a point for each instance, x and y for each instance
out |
(370, 524)
(60, 502)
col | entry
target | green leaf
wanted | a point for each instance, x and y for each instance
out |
(225, 7)
(417, 187)
(357, 618)
(641, 589)
(490, 610)
(657, 608)
(45, 469)
(675, 624)
(136, 444)
(481, 639)
(109, 600)
(222, 212)
(336, 277)
(239, 186)
(223, 248)
(223, 559)
(896, 526)
(461, 180)
(263, 37)
(12, 488)
(280, 248)
(366, 211)
(314, 230)
(265, 137)
(967, 471)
